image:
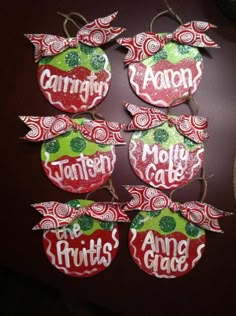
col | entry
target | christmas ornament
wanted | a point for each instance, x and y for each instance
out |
(163, 67)
(74, 73)
(167, 239)
(81, 237)
(165, 151)
(77, 155)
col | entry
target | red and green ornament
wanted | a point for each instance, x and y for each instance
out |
(81, 237)
(74, 74)
(165, 151)
(164, 67)
(167, 239)
(77, 155)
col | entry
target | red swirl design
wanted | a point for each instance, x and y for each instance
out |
(55, 215)
(58, 214)
(144, 45)
(150, 199)
(192, 127)
(94, 34)
(146, 199)
(110, 212)
(43, 128)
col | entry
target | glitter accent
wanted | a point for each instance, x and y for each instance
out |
(162, 54)
(72, 59)
(77, 144)
(167, 224)
(97, 62)
(154, 213)
(160, 135)
(107, 225)
(188, 142)
(52, 146)
(88, 50)
(137, 222)
(192, 230)
(183, 49)
(85, 222)
(74, 203)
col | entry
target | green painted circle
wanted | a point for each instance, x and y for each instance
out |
(85, 222)
(167, 224)
(192, 230)
(74, 203)
(189, 142)
(97, 62)
(45, 60)
(161, 135)
(52, 146)
(107, 225)
(88, 50)
(138, 221)
(77, 144)
(183, 49)
(143, 133)
(154, 213)
(162, 54)
(174, 53)
(66, 134)
(72, 59)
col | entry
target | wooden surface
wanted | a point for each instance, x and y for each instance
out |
(123, 287)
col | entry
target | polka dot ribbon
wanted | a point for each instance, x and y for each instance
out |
(47, 127)
(93, 34)
(198, 213)
(146, 44)
(192, 127)
(57, 214)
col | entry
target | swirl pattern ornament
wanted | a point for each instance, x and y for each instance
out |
(57, 214)
(146, 44)
(54, 214)
(93, 34)
(201, 214)
(192, 127)
(98, 131)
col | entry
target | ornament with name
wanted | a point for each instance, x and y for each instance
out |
(167, 239)
(77, 155)
(74, 74)
(165, 151)
(81, 237)
(166, 67)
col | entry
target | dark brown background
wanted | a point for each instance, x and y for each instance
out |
(123, 288)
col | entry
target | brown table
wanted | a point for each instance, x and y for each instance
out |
(123, 287)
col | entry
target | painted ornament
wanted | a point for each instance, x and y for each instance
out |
(163, 67)
(74, 74)
(165, 151)
(167, 239)
(77, 155)
(81, 237)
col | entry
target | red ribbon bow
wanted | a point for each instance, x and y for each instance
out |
(146, 44)
(98, 131)
(94, 34)
(192, 127)
(57, 214)
(150, 199)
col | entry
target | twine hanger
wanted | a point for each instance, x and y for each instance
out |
(109, 187)
(169, 12)
(189, 99)
(68, 18)
(204, 185)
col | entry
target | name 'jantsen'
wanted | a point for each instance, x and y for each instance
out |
(83, 168)
(65, 84)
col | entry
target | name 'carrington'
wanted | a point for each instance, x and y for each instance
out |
(65, 84)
